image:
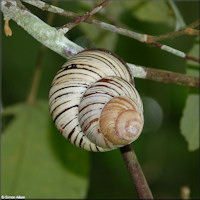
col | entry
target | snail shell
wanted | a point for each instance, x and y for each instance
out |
(93, 102)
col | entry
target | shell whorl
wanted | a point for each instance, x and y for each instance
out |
(82, 95)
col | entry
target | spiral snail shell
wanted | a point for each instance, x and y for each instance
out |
(93, 102)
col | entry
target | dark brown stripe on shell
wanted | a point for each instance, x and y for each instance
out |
(66, 109)
(71, 133)
(81, 140)
(89, 105)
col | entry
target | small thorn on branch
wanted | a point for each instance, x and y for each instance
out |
(7, 29)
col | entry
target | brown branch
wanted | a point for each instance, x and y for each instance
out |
(192, 58)
(163, 76)
(136, 172)
(171, 77)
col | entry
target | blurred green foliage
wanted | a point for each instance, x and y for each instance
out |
(39, 163)
(190, 119)
(33, 157)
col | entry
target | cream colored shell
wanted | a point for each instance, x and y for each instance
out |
(93, 81)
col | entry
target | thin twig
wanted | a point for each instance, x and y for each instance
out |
(136, 172)
(185, 31)
(122, 31)
(188, 30)
(87, 14)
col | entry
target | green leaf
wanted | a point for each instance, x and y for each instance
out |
(13, 109)
(151, 11)
(114, 10)
(36, 161)
(99, 38)
(190, 122)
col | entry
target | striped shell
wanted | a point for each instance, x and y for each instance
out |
(93, 102)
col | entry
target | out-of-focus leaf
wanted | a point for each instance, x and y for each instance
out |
(100, 38)
(153, 115)
(87, 4)
(190, 122)
(114, 10)
(90, 30)
(30, 165)
(13, 109)
(193, 67)
(84, 42)
(179, 19)
(151, 11)
(108, 41)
